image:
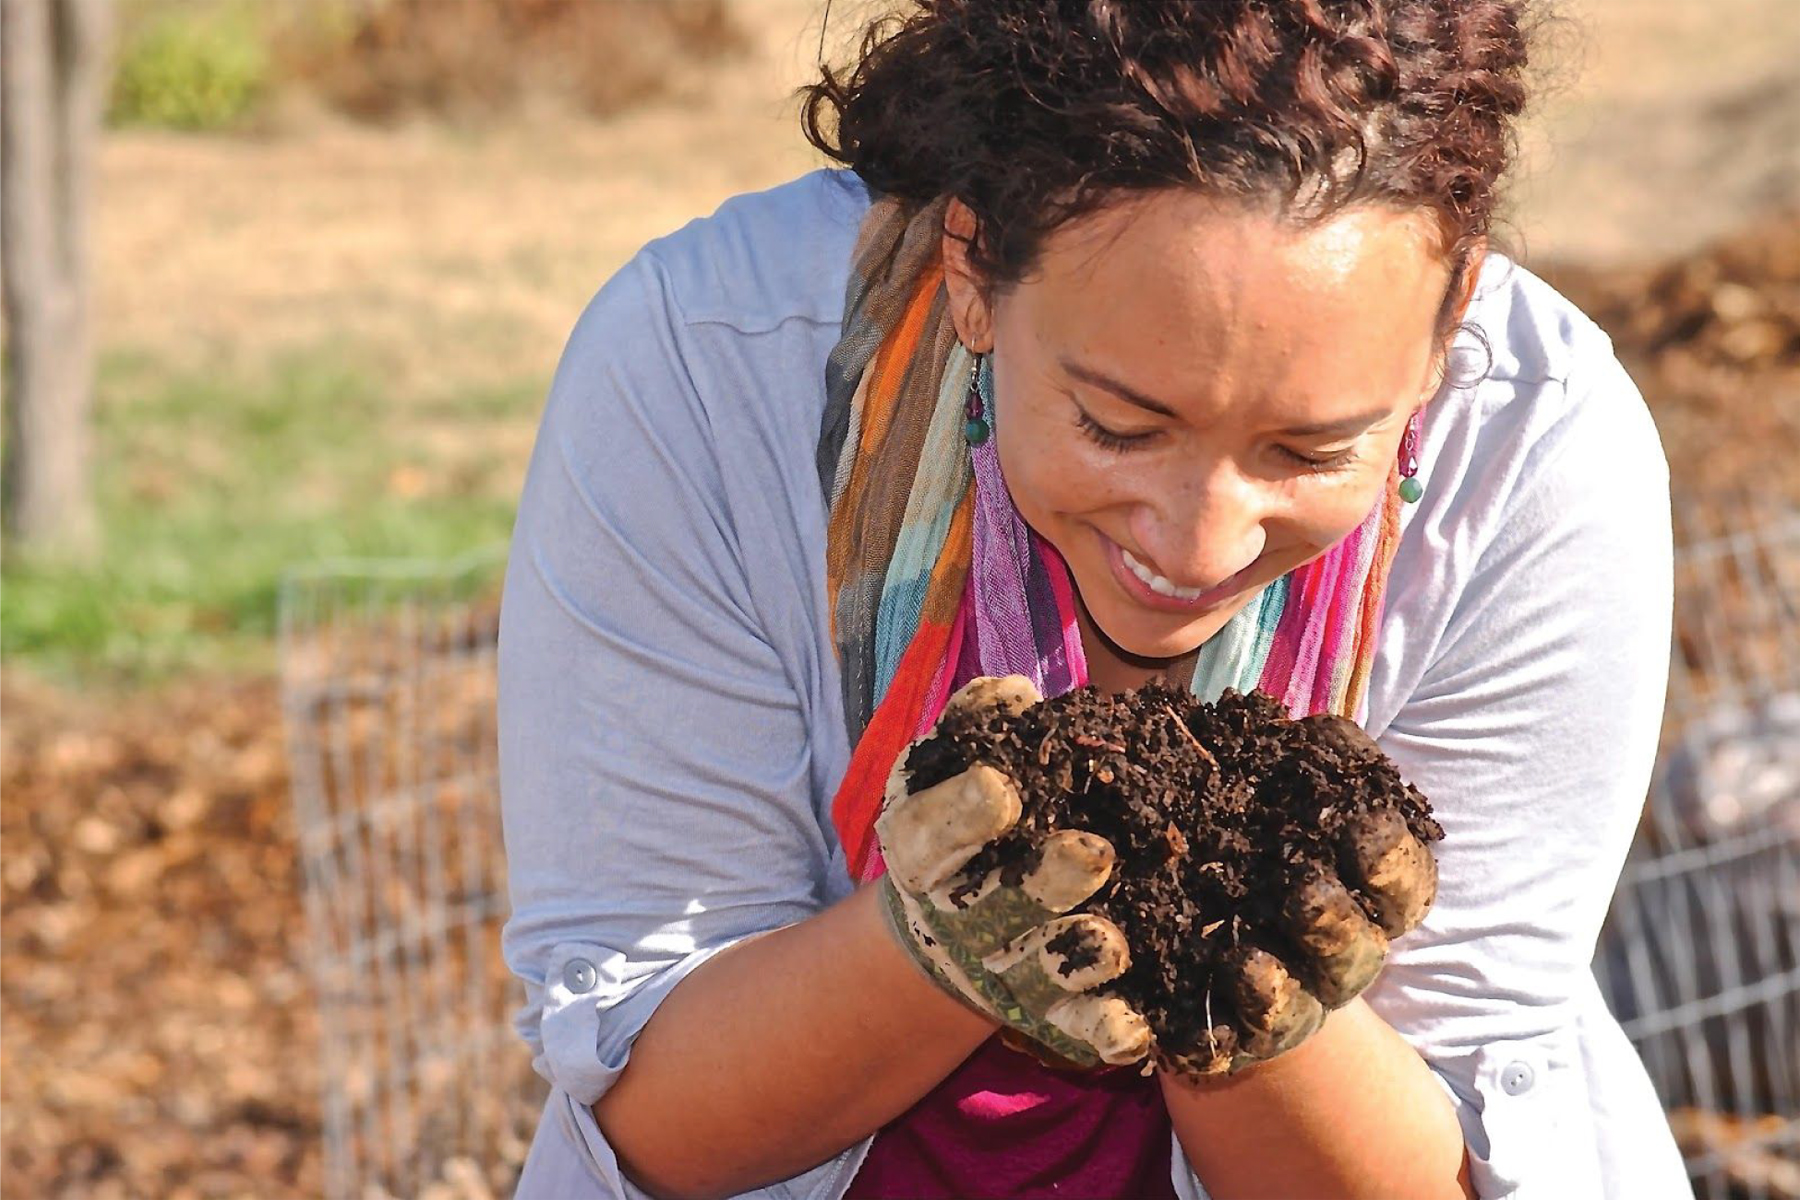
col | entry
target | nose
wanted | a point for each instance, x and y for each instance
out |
(1203, 526)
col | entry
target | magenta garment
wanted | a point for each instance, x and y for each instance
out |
(1005, 1125)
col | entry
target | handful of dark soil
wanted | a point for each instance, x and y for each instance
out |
(1217, 812)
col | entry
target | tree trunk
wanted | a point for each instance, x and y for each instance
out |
(50, 111)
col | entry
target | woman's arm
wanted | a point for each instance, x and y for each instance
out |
(780, 1052)
(662, 761)
(1352, 1112)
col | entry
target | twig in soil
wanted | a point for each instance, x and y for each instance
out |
(1186, 732)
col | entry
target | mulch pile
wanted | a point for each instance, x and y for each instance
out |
(1217, 812)
(1713, 341)
(162, 1030)
(161, 1037)
(1748, 1157)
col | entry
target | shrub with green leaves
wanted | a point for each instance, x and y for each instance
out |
(190, 67)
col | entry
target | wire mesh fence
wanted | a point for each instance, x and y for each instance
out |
(1701, 955)
(388, 693)
(388, 686)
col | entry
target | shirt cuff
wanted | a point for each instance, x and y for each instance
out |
(575, 1125)
(1524, 1112)
(593, 1011)
(590, 1018)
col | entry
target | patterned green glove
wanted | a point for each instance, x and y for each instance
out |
(1007, 951)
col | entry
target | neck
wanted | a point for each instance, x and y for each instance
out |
(1112, 669)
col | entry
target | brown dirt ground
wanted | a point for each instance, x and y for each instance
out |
(160, 1034)
(151, 942)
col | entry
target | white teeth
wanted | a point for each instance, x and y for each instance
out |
(1157, 583)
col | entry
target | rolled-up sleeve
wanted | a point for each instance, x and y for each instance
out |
(654, 757)
(1534, 730)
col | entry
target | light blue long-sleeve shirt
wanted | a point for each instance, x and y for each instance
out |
(671, 733)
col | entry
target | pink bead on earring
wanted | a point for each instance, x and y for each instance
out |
(1410, 488)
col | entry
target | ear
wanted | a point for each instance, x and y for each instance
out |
(1455, 310)
(1465, 292)
(970, 311)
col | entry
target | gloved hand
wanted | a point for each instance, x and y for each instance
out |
(1006, 950)
(1338, 944)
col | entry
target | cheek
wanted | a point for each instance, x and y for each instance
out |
(1051, 468)
(1324, 512)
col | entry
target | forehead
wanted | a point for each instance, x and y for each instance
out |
(1177, 289)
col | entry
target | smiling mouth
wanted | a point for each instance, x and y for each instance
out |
(1157, 583)
(1153, 590)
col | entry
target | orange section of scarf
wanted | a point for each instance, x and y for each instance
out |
(858, 799)
(886, 374)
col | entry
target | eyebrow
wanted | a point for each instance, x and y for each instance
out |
(1343, 427)
(1102, 380)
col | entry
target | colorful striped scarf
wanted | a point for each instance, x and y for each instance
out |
(933, 578)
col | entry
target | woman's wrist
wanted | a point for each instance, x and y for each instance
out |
(1353, 1112)
(883, 897)
(936, 968)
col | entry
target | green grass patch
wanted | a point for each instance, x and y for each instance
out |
(210, 486)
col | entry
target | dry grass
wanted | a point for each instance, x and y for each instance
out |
(1661, 125)
(445, 258)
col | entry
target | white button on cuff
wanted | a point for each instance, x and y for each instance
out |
(579, 976)
(1517, 1078)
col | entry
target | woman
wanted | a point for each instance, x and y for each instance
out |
(1138, 340)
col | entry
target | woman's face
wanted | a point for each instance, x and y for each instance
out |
(1192, 399)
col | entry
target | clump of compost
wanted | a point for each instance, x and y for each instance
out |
(1217, 812)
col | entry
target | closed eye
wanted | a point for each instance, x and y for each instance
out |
(1311, 463)
(1107, 438)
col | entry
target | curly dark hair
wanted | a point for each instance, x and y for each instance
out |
(1036, 112)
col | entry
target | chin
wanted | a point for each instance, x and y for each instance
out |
(1142, 636)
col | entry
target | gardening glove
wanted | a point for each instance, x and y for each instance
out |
(1338, 943)
(1006, 950)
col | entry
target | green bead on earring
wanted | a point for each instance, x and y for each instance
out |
(1410, 488)
(976, 428)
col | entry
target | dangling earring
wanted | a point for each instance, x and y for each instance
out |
(976, 427)
(1410, 488)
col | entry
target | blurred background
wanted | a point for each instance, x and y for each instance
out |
(332, 249)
